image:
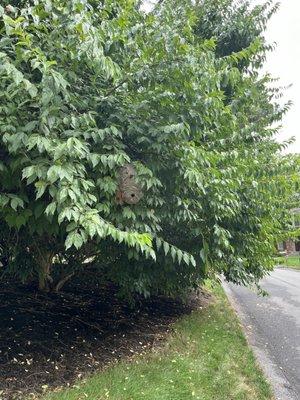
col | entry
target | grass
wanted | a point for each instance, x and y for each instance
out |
(206, 357)
(289, 261)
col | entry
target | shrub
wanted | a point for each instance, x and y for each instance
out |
(88, 87)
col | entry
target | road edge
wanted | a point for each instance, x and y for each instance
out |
(288, 268)
(279, 383)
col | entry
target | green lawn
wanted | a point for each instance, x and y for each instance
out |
(290, 261)
(206, 358)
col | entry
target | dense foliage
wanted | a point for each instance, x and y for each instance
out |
(89, 86)
(292, 228)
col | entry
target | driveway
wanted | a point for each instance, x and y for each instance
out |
(272, 325)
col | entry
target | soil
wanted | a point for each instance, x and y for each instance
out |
(51, 340)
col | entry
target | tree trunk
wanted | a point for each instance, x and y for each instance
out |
(44, 262)
(62, 281)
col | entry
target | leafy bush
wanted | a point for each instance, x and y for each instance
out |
(87, 87)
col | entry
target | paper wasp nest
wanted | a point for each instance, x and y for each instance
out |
(128, 189)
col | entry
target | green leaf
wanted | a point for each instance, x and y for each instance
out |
(4, 200)
(193, 261)
(50, 209)
(166, 247)
(186, 258)
(74, 239)
(16, 202)
(30, 126)
(41, 187)
(173, 253)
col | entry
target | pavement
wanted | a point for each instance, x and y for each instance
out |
(272, 326)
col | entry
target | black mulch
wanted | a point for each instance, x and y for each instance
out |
(50, 340)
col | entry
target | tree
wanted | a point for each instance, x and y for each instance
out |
(291, 230)
(88, 87)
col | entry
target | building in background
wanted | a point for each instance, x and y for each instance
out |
(292, 246)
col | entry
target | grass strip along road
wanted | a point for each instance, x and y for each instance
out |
(289, 261)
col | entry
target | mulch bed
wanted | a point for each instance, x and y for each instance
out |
(50, 340)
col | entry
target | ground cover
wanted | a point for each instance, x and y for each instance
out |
(289, 261)
(205, 357)
(51, 340)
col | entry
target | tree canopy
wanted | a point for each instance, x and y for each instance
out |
(88, 87)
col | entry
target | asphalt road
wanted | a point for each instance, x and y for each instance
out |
(273, 328)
